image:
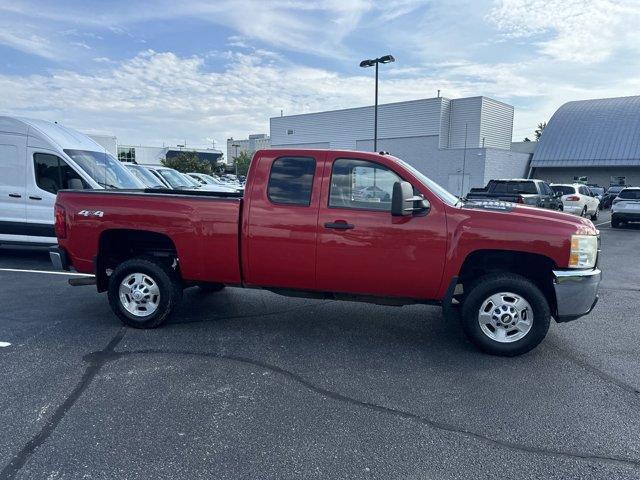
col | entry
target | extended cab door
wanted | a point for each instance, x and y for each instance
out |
(280, 220)
(362, 248)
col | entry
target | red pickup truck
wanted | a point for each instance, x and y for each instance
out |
(336, 224)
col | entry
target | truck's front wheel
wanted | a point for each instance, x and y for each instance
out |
(505, 314)
(143, 292)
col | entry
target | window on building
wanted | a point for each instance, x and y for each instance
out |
(127, 154)
(291, 180)
(361, 184)
(290, 131)
(53, 174)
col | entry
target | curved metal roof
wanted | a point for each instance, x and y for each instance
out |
(592, 133)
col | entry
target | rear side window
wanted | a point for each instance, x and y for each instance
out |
(630, 194)
(53, 174)
(291, 180)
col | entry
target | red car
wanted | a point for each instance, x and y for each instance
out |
(303, 229)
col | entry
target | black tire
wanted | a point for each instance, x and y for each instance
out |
(211, 287)
(584, 212)
(490, 284)
(167, 280)
(594, 217)
(615, 223)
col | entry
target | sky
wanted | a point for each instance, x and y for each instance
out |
(165, 72)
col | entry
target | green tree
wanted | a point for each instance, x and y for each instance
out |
(187, 162)
(538, 131)
(242, 161)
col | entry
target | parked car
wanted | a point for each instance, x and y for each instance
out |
(577, 199)
(598, 192)
(626, 207)
(175, 179)
(300, 231)
(37, 159)
(532, 192)
(611, 194)
(145, 176)
(213, 183)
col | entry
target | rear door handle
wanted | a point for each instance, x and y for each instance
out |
(15, 195)
(33, 197)
(339, 225)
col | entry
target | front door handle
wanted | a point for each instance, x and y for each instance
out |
(33, 197)
(339, 225)
(15, 195)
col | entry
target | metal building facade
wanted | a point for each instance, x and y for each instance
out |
(456, 142)
(599, 139)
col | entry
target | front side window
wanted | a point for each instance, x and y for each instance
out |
(53, 173)
(291, 181)
(361, 184)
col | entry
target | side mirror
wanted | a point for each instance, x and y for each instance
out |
(404, 202)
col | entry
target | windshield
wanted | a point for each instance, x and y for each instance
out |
(192, 182)
(563, 189)
(597, 190)
(104, 169)
(174, 178)
(440, 192)
(145, 176)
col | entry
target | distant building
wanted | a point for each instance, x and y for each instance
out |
(250, 145)
(144, 155)
(109, 142)
(459, 143)
(597, 139)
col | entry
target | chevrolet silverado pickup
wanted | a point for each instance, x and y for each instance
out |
(344, 225)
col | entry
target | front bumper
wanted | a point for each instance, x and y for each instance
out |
(576, 292)
(59, 258)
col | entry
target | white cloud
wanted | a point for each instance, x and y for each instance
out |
(581, 31)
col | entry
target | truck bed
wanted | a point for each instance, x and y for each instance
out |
(206, 224)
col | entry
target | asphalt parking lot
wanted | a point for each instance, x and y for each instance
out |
(248, 384)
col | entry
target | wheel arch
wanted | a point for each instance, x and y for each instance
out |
(536, 267)
(118, 245)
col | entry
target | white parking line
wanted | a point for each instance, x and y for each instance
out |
(4, 344)
(73, 274)
(603, 223)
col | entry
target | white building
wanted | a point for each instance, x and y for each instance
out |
(459, 143)
(108, 142)
(250, 145)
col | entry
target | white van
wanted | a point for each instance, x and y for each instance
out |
(37, 159)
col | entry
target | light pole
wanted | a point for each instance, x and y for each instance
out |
(371, 63)
(235, 159)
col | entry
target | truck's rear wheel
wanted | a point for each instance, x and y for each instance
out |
(505, 314)
(143, 292)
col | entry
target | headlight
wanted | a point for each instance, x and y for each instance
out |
(584, 251)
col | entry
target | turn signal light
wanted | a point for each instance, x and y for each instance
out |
(60, 226)
(584, 251)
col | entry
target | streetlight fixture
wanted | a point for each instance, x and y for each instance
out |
(370, 63)
(235, 159)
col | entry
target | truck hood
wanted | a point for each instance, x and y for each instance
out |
(529, 214)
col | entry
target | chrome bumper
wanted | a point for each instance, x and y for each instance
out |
(59, 258)
(576, 292)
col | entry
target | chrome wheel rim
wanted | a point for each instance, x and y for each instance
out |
(505, 317)
(139, 294)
